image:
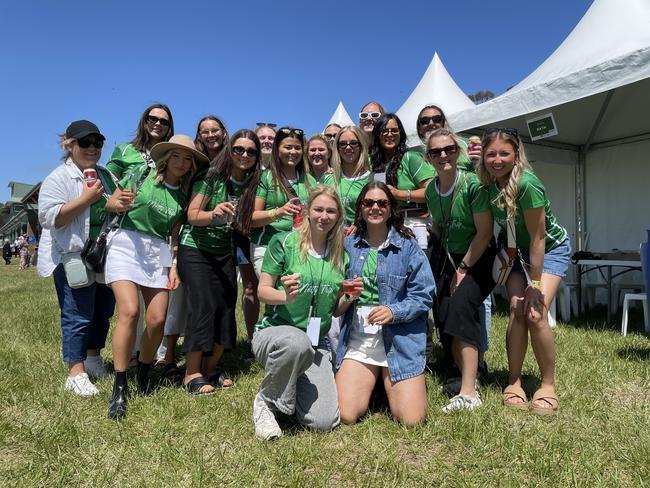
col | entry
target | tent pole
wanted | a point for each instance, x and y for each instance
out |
(581, 203)
(599, 119)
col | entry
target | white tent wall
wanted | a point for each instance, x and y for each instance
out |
(617, 196)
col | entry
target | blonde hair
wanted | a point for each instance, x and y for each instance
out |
(445, 132)
(65, 143)
(335, 160)
(161, 168)
(334, 236)
(507, 196)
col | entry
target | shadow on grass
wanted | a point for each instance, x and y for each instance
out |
(632, 353)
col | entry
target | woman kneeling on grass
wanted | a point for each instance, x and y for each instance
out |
(139, 256)
(384, 335)
(516, 194)
(300, 284)
(71, 210)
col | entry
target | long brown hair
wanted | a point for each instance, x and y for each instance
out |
(221, 167)
(142, 141)
(197, 139)
(396, 218)
(275, 166)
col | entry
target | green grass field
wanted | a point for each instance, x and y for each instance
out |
(601, 436)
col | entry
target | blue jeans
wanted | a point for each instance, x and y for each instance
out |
(85, 313)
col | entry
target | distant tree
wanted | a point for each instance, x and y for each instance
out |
(481, 96)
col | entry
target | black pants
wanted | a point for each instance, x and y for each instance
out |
(211, 294)
(457, 314)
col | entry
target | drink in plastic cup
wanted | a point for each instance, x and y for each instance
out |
(298, 217)
(348, 287)
(234, 201)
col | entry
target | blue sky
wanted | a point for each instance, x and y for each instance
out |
(288, 62)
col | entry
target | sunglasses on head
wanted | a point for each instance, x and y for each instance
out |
(436, 152)
(288, 131)
(434, 118)
(152, 119)
(369, 203)
(86, 142)
(241, 150)
(266, 124)
(353, 144)
(372, 115)
(511, 131)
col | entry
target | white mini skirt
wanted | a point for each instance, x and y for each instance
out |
(133, 256)
(366, 348)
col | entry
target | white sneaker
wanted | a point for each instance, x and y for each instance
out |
(95, 368)
(463, 402)
(266, 427)
(80, 385)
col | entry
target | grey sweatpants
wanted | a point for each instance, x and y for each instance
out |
(298, 378)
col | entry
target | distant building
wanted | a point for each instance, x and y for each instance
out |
(19, 216)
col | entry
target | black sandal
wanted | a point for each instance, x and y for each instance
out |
(221, 379)
(195, 385)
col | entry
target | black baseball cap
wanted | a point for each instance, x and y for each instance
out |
(82, 128)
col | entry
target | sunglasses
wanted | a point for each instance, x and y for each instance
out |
(241, 150)
(434, 118)
(436, 152)
(372, 115)
(393, 131)
(266, 124)
(288, 131)
(511, 131)
(369, 203)
(352, 144)
(152, 119)
(330, 136)
(86, 142)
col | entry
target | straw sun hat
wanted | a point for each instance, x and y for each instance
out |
(179, 141)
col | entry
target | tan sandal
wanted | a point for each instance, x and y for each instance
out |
(513, 392)
(546, 394)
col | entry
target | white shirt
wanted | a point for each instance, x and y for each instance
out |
(62, 185)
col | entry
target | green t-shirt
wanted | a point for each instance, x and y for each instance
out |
(124, 157)
(156, 207)
(274, 197)
(320, 284)
(98, 209)
(349, 190)
(472, 199)
(532, 194)
(212, 239)
(413, 170)
(370, 293)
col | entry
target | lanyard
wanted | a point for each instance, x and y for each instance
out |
(314, 297)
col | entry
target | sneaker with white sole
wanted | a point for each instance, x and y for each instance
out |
(266, 427)
(94, 366)
(80, 385)
(463, 402)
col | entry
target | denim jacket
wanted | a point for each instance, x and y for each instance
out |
(406, 286)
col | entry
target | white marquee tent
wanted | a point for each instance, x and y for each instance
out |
(340, 117)
(435, 87)
(597, 86)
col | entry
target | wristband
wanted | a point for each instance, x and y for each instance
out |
(536, 283)
(273, 214)
(408, 196)
(463, 265)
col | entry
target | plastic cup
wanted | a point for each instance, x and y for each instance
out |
(348, 287)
